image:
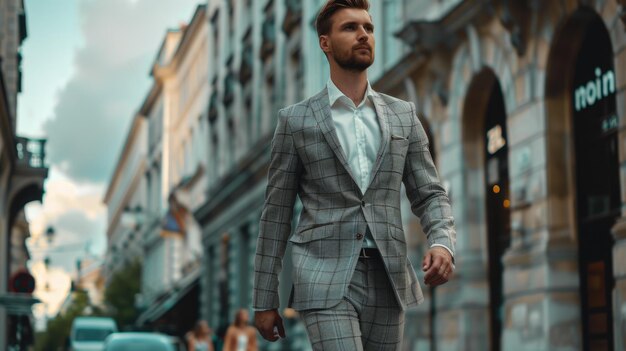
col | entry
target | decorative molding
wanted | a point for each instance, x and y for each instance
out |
(440, 89)
(473, 40)
(428, 35)
(422, 35)
(622, 10)
(509, 16)
(516, 16)
(395, 76)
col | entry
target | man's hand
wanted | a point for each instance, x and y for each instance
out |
(267, 322)
(438, 266)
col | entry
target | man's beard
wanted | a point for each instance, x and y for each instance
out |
(353, 62)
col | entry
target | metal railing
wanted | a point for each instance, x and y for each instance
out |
(31, 152)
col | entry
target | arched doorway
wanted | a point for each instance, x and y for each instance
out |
(486, 155)
(581, 107)
(596, 181)
(497, 205)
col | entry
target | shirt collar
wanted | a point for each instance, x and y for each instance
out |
(335, 94)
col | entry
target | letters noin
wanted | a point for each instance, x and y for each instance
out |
(595, 90)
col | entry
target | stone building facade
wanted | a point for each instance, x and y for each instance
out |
(22, 173)
(164, 157)
(524, 105)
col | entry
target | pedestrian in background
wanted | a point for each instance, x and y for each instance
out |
(199, 339)
(345, 152)
(240, 336)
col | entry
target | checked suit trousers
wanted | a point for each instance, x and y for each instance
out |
(368, 318)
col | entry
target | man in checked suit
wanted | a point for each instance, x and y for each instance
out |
(345, 153)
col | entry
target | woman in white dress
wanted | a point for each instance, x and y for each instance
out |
(199, 339)
(240, 336)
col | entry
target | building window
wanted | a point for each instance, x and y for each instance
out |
(268, 32)
(292, 16)
(215, 23)
(298, 75)
(231, 16)
(247, 59)
(229, 83)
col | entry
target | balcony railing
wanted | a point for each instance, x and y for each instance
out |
(31, 152)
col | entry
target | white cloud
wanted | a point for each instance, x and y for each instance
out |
(109, 83)
(78, 216)
(88, 125)
(52, 287)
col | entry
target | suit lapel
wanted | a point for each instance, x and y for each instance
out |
(321, 111)
(383, 121)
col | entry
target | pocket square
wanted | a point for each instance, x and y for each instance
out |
(398, 137)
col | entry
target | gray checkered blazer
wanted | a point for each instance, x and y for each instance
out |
(307, 161)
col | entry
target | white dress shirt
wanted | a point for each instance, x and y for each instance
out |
(358, 131)
(359, 135)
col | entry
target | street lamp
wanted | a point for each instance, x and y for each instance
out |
(50, 234)
(78, 267)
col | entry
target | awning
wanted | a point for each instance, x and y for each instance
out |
(18, 304)
(164, 305)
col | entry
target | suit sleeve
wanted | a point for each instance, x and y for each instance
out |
(429, 200)
(275, 225)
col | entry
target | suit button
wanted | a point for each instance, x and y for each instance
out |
(363, 203)
(359, 236)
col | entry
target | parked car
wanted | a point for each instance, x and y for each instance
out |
(142, 341)
(88, 333)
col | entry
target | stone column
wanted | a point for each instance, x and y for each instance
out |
(542, 306)
(619, 229)
(541, 279)
(619, 272)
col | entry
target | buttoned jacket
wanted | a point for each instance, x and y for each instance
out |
(307, 161)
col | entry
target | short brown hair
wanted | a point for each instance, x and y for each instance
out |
(323, 23)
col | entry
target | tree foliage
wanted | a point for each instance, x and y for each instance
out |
(58, 329)
(119, 299)
(119, 296)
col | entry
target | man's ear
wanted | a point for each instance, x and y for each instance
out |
(324, 43)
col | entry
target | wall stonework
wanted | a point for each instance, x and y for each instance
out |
(542, 297)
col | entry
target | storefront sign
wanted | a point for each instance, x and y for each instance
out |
(609, 123)
(595, 90)
(495, 140)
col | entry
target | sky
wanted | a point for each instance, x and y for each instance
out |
(85, 72)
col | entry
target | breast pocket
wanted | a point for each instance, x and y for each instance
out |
(399, 145)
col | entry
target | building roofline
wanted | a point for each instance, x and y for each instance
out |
(130, 138)
(189, 33)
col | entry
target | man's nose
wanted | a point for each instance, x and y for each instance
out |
(362, 34)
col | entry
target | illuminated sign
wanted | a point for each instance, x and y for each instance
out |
(609, 123)
(595, 90)
(495, 141)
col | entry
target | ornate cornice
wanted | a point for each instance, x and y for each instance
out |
(447, 31)
(428, 35)
(515, 17)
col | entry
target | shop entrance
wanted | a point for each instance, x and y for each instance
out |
(596, 181)
(487, 166)
(497, 205)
